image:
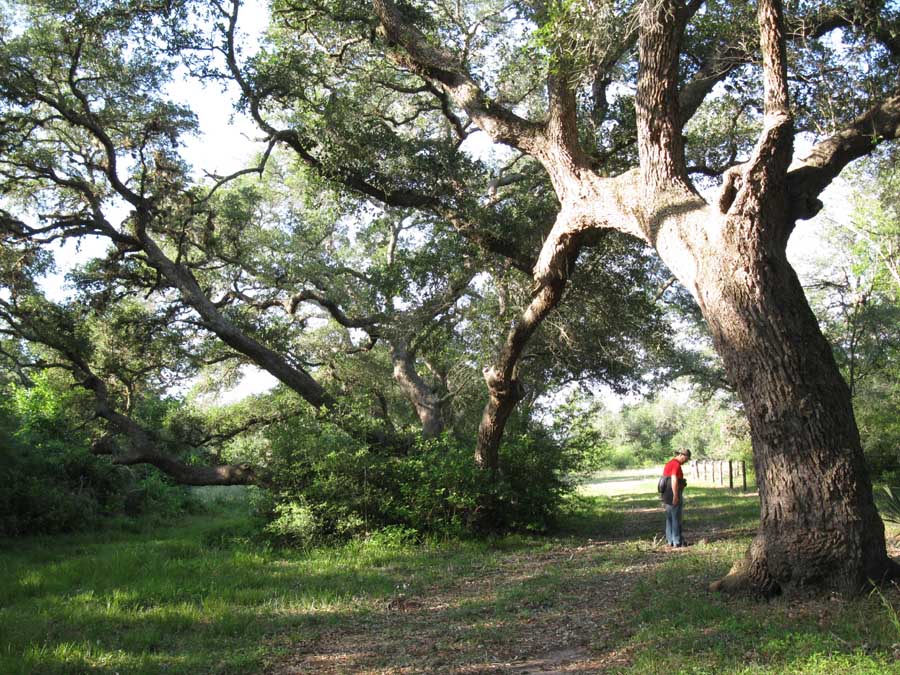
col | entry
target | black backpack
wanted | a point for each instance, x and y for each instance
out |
(662, 484)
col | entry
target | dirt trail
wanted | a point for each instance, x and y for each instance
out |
(532, 612)
(467, 626)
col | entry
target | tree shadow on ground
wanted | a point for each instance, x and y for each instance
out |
(529, 609)
(605, 597)
(614, 602)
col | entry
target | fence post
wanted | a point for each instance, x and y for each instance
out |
(712, 472)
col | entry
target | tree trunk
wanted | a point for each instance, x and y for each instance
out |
(558, 255)
(818, 525)
(503, 396)
(425, 402)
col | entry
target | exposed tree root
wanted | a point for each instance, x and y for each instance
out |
(748, 578)
(741, 580)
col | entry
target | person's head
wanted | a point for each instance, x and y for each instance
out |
(683, 455)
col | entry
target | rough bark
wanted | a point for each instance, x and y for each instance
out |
(503, 395)
(660, 144)
(818, 526)
(551, 273)
(504, 388)
(810, 175)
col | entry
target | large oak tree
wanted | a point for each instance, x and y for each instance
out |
(331, 293)
(611, 110)
(622, 106)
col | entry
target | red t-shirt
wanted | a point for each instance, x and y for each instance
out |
(673, 468)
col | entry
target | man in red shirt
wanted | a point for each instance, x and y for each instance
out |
(673, 498)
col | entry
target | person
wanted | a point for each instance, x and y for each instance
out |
(673, 497)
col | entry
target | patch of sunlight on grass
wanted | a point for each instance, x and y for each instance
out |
(168, 601)
(610, 484)
(31, 583)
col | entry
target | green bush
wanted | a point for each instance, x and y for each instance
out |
(293, 521)
(325, 486)
(49, 480)
(879, 428)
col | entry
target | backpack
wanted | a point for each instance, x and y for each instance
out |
(662, 484)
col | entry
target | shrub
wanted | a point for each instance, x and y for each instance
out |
(879, 429)
(49, 480)
(326, 486)
(293, 522)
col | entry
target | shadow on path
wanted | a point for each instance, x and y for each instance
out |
(564, 607)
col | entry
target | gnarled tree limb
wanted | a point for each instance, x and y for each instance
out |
(436, 64)
(809, 176)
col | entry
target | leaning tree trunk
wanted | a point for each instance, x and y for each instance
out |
(558, 255)
(818, 523)
(424, 400)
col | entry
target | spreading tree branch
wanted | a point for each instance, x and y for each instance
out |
(436, 64)
(143, 445)
(660, 144)
(808, 177)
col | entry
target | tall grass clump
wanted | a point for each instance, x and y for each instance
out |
(889, 505)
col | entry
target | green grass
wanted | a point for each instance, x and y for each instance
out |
(199, 596)
(140, 603)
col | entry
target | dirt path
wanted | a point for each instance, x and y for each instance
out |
(570, 606)
(489, 623)
(525, 613)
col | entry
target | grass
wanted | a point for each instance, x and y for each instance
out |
(601, 596)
